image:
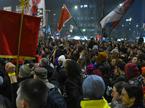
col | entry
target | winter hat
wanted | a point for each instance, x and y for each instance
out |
(89, 68)
(115, 50)
(62, 58)
(43, 62)
(95, 47)
(93, 87)
(41, 73)
(102, 56)
(10, 67)
(131, 71)
(25, 71)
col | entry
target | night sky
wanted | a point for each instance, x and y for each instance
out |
(137, 11)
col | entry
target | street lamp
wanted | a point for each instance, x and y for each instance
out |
(122, 25)
(137, 26)
(76, 7)
(84, 30)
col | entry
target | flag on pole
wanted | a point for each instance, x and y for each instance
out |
(65, 16)
(9, 34)
(114, 17)
(31, 6)
(35, 8)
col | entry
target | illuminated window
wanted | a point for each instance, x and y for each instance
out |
(85, 6)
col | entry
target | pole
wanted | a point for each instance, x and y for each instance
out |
(59, 4)
(20, 33)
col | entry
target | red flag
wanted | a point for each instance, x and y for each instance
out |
(9, 34)
(64, 17)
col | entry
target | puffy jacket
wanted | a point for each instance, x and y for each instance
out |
(101, 103)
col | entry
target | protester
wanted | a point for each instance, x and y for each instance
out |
(116, 94)
(122, 61)
(132, 96)
(55, 98)
(93, 92)
(32, 93)
(73, 83)
(59, 76)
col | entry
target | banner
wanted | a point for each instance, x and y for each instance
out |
(9, 34)
(65, 16)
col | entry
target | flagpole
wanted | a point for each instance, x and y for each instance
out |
(20, 33)
(59, 4)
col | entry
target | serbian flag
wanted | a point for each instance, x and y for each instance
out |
(31, 7)
(65, 16)
(9, 34)
(37, 8)
(114, 17)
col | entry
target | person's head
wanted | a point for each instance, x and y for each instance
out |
(40, 73)
(61, 60)
(113, 62)
(31, 93)
(134, 60)
(131, 71)
(102, 56)
(131, 95)
(72, 68)
(44, 62)
(93, 87)
(117, 89)
(24, 71)
(10, 67)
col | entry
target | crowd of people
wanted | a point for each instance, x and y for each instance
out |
(76, 74)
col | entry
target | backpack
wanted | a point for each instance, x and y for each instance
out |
(55, 99)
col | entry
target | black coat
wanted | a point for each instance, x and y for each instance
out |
(73, 92)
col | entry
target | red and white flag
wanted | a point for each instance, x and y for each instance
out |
(114, 17)
(36, 8)
(65, 16)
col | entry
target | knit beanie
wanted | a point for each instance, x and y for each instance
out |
(131, 71)
(93, 87)
(43, 62)
(41, 73)
(62, 59)
(25, 71)
(10, 67)
(102, 56)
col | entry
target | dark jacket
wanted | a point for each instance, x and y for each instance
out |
(55, 99)
(73, 92)
(58, 78)
(138, 106)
